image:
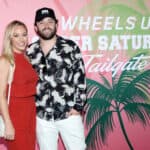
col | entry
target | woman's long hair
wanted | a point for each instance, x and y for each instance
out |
(7, 50)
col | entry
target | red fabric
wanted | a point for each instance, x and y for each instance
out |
(25, 78)
(22, 105)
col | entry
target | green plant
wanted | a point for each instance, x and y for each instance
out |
(128, 93)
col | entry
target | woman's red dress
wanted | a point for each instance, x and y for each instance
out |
(22, 105)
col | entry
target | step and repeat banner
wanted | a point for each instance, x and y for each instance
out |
(114, 37)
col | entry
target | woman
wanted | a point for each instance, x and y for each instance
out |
(20, 115)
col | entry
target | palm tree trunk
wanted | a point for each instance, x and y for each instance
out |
(124, 131)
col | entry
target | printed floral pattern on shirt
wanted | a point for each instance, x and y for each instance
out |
(62, 83)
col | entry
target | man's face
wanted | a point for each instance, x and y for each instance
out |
(46, 28)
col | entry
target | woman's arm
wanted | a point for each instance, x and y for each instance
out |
(4, 72)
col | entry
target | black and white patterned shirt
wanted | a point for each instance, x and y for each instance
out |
(62, 83)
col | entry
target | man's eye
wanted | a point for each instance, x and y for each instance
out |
(15, 35)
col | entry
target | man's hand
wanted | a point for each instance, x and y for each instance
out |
(73, 112)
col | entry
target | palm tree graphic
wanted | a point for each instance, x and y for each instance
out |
(128, 93)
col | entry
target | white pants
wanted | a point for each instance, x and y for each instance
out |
(70, 129)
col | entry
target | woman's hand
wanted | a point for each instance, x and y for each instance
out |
(9, 131)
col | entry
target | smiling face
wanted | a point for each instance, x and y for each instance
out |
(46, 28)
(19, 38)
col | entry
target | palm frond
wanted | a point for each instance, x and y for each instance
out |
(100, 90)
(138, 112)
(137, 87)
(101, 128)
(95, 108)
(105, 81)
(119, 87)
(123, 82)
(91, 89)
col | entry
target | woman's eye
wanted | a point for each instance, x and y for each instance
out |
(15, 35)
(25, 34)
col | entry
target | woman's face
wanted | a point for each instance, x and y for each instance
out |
(19, 39)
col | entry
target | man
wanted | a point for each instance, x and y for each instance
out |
(61, 87)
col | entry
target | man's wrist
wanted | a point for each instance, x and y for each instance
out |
(78, 108)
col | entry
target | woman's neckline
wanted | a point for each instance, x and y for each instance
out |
(18, 53)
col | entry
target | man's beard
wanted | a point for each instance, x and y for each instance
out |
(47, 37)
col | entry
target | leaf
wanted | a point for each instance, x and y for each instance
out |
(100, 130)
(138, 112)
(95, 109)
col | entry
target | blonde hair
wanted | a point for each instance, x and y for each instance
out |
(7, 45)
